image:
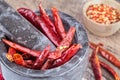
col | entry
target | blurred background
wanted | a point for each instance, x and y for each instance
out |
(71, 7)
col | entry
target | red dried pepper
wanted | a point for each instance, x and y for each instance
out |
(107, 55)
(51, 58)
(19, 59)
(10, 53)
(58, 23)
(28, 14)
(65, 43)
(67, 55)
(48, 31)
(40, 24)
(46, 18)
(108, 68)
(1, 75)
(54, 55)
(110, 57)
(40, 60)
(95, 64)
(29, 63)
(21, 48)
(47, 64)
(26, 56)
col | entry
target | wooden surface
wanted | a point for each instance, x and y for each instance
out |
(73, 8)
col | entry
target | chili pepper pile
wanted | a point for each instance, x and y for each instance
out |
(44, 59)
(97, 64)
(103, 14)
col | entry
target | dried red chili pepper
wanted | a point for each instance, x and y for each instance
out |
(110, 57)
(48, 31)
(1, 77)
(26, 56)
(40, 24)
(95, 64)
(111, 70)
(67, 55)
(40, 60)
(51, 58)
(10, 53)
(47, 64)
(29, 63)
(58, 23)
(21, 48)
(106, 54)
(19, 59)
(66, 42)
(46, 18)
(28, 14)
(54, 55)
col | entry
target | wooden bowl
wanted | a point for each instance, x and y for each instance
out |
(97, 28)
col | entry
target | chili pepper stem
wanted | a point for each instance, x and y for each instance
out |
(21, 48)
(95, 64)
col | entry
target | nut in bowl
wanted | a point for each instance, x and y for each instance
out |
(102, 17)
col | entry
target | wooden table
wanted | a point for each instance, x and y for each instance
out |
(73, 8)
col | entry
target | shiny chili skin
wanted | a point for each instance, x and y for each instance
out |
(47, 64)
(54, 55)
(64, 45)
(10, 53)
(111, 70)
(51, 58)
(21, 48)
(28, 14)
(66, 42)
(95, 64)
(40, 60)
(106, 54)
(47, 31)
(29, 63)
(40, 24)
(46, 18)
(58, 23)
(1, 75)
(26, 56)
(19, 59)
(67, 55)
